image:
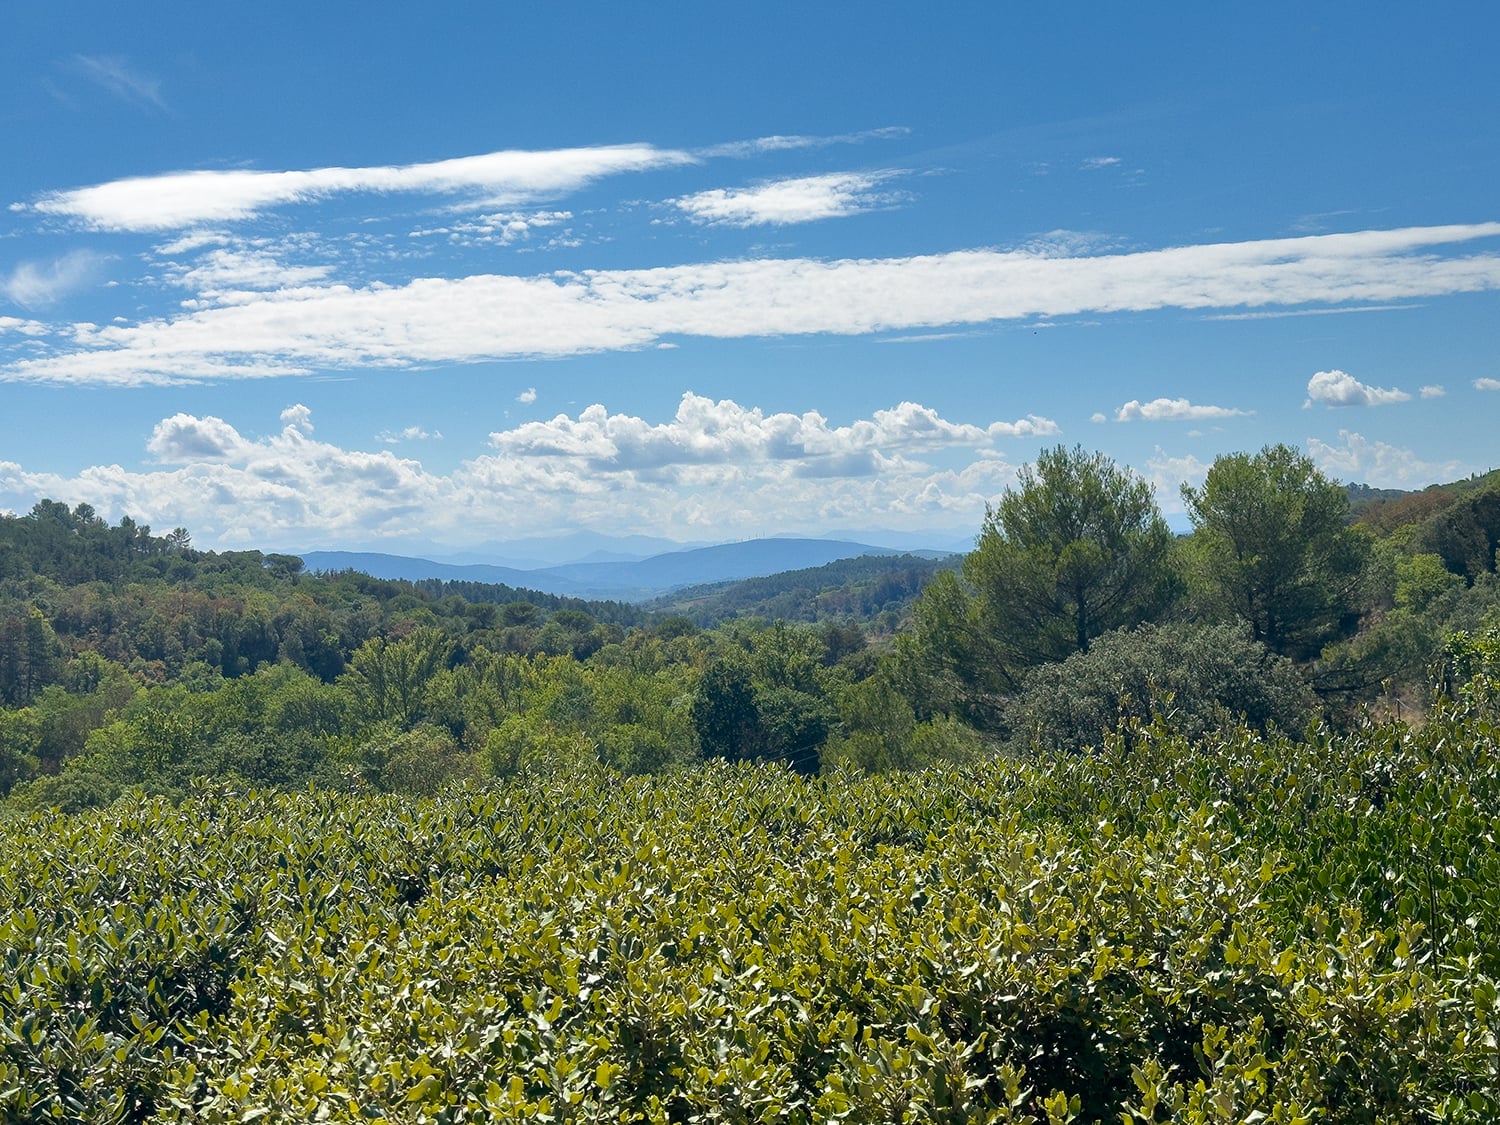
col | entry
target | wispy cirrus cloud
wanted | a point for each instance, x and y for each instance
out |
(1283, 313)
(116, 75)
(759, 146)
(37, 284)
(803, 199)
(227, 270)
(1338, 388)
(1173, 410)
(301, 329)
(178, 200)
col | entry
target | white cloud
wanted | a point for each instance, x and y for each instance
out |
(1031, 426)
(801, 200)
(1336, 388)
(410, 433)
(705, 432)
(761, 145)
(1284, 313)
(184, 199)
(1172, 410)
(1168, 474)
(1432, 391)
(226, 273)
(501, 228)
(1361, 461)
(23, 327)
(432, 320)
(1096, 162)
(717, 469)
(1487, 384)
(297, 417)
(122, 80)
(183, 437)
(194, 240)
(1098, 417)
(527, 396)
(35, 284)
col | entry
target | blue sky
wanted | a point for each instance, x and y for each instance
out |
(426, 279)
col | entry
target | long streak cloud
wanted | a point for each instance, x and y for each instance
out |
(183, 199)
(429, 321)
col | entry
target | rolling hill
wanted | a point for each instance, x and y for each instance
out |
(623, 580)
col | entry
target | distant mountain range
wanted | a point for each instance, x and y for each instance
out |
(630, 580)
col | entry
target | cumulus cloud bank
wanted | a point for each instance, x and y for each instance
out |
(724, 432)
(715, 468)
(1336, 388)
(1377, 463)
(300, 328)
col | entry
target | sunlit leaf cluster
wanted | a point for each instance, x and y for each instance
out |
(1241, 928)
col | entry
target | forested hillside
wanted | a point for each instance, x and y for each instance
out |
(876, 591)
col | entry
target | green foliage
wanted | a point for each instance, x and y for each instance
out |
(388, 679)
(1247, 929)
(1469, 673)
(772, 703)
(724, 712)
(1388, 515)
(1078, 549)
(872, 589)
(1466, 534)
(1423, 603)
(949, 662)
(880, 732)
(1272, 547)
(420, 762)
(1192, 678)
(30, 657)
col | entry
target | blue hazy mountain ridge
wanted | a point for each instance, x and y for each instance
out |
(576, 546)
(378, 565)
(623, 580)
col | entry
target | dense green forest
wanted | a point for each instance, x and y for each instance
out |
(1101, 823)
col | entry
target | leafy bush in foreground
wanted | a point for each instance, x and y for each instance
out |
(1240, 929)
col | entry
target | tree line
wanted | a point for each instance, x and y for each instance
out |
(129, 660)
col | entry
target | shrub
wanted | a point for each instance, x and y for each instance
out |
(1195, 677)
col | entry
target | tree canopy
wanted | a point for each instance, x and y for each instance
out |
(1077, 549)
(1272, 545)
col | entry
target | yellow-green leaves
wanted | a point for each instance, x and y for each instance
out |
(1276, 932)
